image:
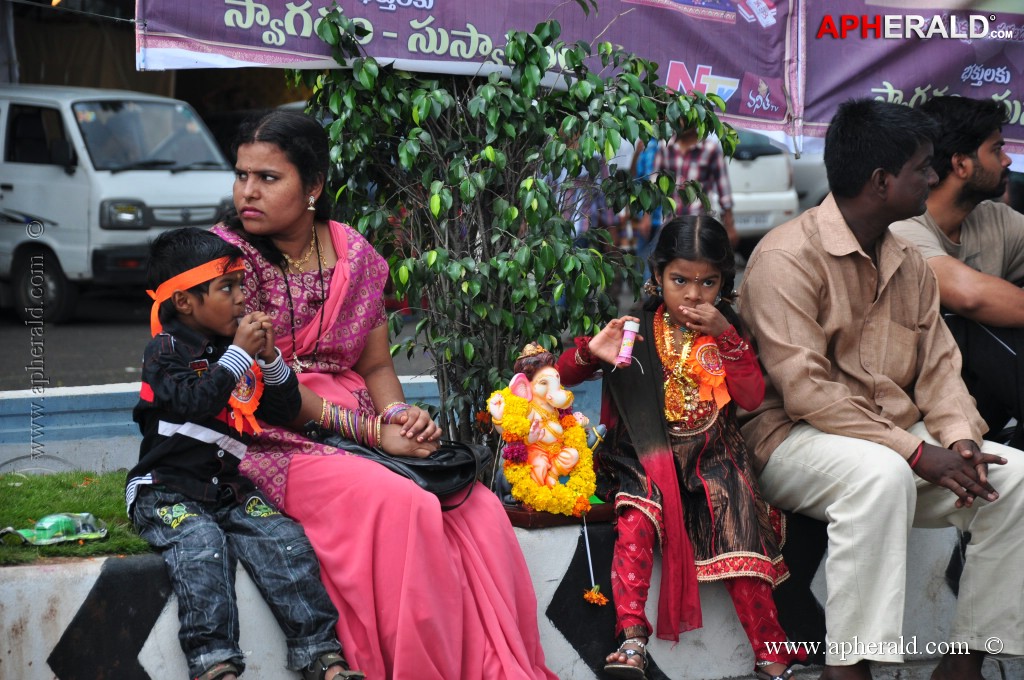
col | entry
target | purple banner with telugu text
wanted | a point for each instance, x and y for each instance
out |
(908, 52)
(780, 65)
(733, 49)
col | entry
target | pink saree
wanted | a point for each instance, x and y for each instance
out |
(420, 593)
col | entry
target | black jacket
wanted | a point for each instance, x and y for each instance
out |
(189, 440)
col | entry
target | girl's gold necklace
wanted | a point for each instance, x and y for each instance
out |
(682, 351)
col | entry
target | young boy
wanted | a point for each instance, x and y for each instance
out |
(201, 394)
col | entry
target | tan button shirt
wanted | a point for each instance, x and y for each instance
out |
(848, 348)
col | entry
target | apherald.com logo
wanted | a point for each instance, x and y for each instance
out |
(902, 26)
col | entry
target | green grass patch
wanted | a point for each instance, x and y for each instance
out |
(25, 499)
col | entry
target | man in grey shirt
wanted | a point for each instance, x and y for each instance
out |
(975, 247)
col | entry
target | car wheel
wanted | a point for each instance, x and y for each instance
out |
(41, 290)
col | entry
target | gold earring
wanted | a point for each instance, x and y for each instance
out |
(311, 207)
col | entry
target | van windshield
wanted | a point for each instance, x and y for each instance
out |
(141, 135)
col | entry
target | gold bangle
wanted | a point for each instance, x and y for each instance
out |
(379, 421)
(323, 412)
(394, 403)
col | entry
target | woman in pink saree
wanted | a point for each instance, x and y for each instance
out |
(421, 593)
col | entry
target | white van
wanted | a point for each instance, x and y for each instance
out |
(87, 179)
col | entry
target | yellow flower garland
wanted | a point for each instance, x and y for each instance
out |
(514, 425)
(571, 498)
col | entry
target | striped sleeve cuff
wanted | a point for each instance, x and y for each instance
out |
(236, 360)
(276, 372)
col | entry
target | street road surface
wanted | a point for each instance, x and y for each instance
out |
(102, 345)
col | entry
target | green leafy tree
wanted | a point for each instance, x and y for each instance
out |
(456, 179)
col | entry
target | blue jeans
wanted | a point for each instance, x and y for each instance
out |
(644, 248)
(202, 543)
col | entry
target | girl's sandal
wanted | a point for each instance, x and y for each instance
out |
(219, 670)
(764, 675)
(317, 670)
(637, 651)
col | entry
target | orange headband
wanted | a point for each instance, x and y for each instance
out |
(185, 280)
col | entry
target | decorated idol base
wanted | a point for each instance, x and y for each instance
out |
(547, 459)
(528, 518)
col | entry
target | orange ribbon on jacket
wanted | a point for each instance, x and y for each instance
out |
(706, 366)
(185, 280)
(245, 399)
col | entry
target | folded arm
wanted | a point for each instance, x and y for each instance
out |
(178, 387)
(742, 371)
(415, 426)
(980, 297)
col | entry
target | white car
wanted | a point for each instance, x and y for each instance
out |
(761, 175)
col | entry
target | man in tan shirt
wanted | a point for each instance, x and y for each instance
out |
(864, 396)
(975, 247)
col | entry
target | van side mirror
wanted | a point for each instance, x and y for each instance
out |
(63, 154)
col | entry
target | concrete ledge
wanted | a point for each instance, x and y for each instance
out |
(68, 412)
(78, 620)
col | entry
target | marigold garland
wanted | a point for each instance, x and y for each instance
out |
(514, 423)
(595, 596)
(483, 421)
(571, 498)
(515, 452)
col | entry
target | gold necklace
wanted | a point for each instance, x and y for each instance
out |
(682, 393)
(297, 364)
(314, 246)
(679, 369)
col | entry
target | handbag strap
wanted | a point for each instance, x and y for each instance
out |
(476, 473)
(469, 491)
(317, 433)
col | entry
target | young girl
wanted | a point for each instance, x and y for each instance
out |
(674, 458)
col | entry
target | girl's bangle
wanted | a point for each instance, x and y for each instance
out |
(583, 356)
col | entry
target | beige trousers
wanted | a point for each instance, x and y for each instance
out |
(870, 498)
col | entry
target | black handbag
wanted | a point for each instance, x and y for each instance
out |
(454, 466)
